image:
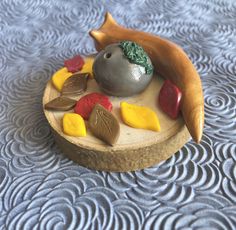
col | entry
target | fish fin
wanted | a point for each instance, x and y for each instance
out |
(101, 39)
(108, 23)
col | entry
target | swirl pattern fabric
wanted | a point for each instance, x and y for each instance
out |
(41, 189)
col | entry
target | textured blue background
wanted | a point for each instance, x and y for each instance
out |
(42, 189)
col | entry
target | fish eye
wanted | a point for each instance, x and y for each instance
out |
(107, 55)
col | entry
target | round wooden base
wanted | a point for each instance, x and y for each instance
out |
(135, 149)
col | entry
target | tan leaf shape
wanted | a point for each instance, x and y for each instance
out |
(75, 85)
(104, 125)
(60, 104)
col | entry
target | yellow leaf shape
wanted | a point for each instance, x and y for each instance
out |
(139, 117)
(60, 77)
(88, 66)
(73, 125)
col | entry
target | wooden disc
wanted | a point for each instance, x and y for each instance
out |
(135, 149)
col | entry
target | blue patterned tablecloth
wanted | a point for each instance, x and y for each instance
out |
(41, 189)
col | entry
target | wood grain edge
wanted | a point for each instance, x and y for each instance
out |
(123, 160)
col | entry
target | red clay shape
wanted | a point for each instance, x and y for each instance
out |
(74, 64)
(84, 105)
(169, 99)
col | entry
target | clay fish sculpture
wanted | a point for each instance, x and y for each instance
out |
(169, 61)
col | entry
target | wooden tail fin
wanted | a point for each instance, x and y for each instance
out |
(108, 23)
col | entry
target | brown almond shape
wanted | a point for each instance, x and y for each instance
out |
(104, 125)
(75, 85)
(170, 61)
(60, 104)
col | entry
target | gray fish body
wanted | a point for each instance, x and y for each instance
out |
(116, 76)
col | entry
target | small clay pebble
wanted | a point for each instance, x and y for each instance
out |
(74, 64)
(60, 104)
(169, 99)
(104, 125)
(75, 85)
(85, 104)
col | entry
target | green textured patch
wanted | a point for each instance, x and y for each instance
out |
(136, 55)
